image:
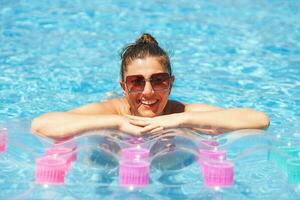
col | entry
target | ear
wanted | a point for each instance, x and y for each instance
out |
(171, 83)
(122, 84)
(172, 80)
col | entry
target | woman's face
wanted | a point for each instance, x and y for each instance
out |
(146, 102)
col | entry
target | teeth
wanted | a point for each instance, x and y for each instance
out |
(148, 102)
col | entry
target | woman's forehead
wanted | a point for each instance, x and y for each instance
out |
(145, 66)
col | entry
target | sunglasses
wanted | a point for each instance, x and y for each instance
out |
(159, 82)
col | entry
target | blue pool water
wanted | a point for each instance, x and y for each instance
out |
(56, 55)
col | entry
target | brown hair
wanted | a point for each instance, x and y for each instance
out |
(144, 46)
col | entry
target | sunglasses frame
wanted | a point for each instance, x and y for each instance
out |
(148, 79)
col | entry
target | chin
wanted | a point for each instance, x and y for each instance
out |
(148, 114)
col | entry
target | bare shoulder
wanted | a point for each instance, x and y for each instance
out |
(194, 107)
(174, 107)
(111, 106)
(178, 107)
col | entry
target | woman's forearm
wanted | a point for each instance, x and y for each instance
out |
(226, 120)
(64, 124)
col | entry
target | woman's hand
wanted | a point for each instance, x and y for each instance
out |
(126, 126)
(158, 123)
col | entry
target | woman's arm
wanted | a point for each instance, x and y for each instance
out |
(86, 118)
(226, 119)
(64, 124)
(223, 120)
(206, 117)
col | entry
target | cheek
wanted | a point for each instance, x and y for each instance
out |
(165, 96)
(132, 98)
(164, 99)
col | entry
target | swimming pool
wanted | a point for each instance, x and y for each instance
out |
(56, 55)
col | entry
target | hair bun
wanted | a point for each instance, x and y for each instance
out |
(146, 38)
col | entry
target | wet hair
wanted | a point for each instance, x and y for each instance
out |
(146, 45)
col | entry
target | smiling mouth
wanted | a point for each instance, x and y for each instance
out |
(148, 102)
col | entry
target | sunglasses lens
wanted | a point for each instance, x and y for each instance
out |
(135, 83)
(160, 81)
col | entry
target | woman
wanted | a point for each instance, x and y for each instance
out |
(146, 81)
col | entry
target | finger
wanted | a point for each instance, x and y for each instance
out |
(157, 129)
(134, 132)
(151, 136)
(137, 117)
(139, 123)
(149, 128)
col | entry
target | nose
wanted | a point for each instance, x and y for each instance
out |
(148, 88)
